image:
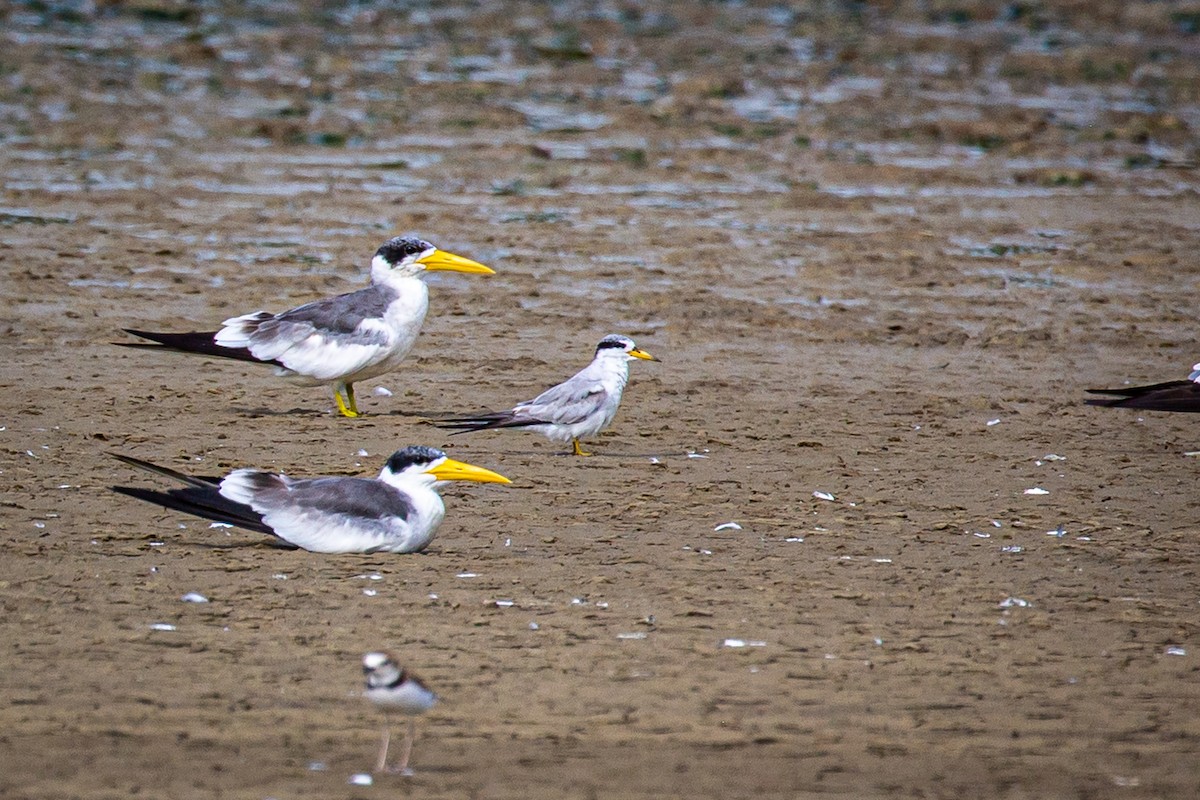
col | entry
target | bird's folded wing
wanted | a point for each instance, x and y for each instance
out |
(339, 323)
(329, 339)
(336, 514)
(566, 404)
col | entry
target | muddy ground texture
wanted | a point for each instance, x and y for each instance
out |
(881, 254)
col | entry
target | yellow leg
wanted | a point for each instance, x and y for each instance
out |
(579, 451)
(344, 408)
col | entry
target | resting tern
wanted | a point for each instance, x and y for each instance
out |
(1168, 396)
(338, 340)
(394, 689)
(582, 405)
(397, 512)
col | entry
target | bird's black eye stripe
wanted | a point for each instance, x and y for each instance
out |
(607, 344)
(410, 456)
(401, 247)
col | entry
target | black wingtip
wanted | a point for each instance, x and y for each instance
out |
(196, 342)
(1177, 396)
(205, 502)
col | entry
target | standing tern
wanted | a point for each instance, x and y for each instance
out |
(1167, 396)
(582, 405)
(338, 340)
(397, 512)
(392, 688)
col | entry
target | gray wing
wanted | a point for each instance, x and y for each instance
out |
(568, 403)
(336, 515)
(339, 318)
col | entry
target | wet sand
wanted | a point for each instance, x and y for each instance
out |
(881, 255)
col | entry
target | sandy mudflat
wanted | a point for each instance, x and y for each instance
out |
(881, 255)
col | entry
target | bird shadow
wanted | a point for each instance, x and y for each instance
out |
(593, 454)
(266, 545)
(275, 412)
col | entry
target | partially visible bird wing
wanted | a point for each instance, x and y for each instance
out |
(1167, 396)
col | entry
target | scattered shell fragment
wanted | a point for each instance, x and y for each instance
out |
(823, 496)
(382, 391)
(728, 526)
(161, 626)
(743, 643)
(504, 603)
(194, 597)
(1175, 650)
(632, 635)
(467, 575)
(1011, 602)
(992, 422)
(1036, 490)
(361, 779)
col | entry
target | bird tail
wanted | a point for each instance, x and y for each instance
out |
(205, 503)
(198, 342)
(1167, 396)
(167, 472)
(202, 497)
(483, 422)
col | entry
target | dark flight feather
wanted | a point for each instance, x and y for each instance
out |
(1182, 396)
(197, 342)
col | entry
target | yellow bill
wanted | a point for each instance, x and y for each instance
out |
(440, 259)
(451, 470)
(638, 352)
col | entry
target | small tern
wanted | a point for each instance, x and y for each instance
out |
(582, 405)
(398, 512)
(395, 690)
(338, 340)
(1167, 396)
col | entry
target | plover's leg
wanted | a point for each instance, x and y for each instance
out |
(402, 768)
(381, 762)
